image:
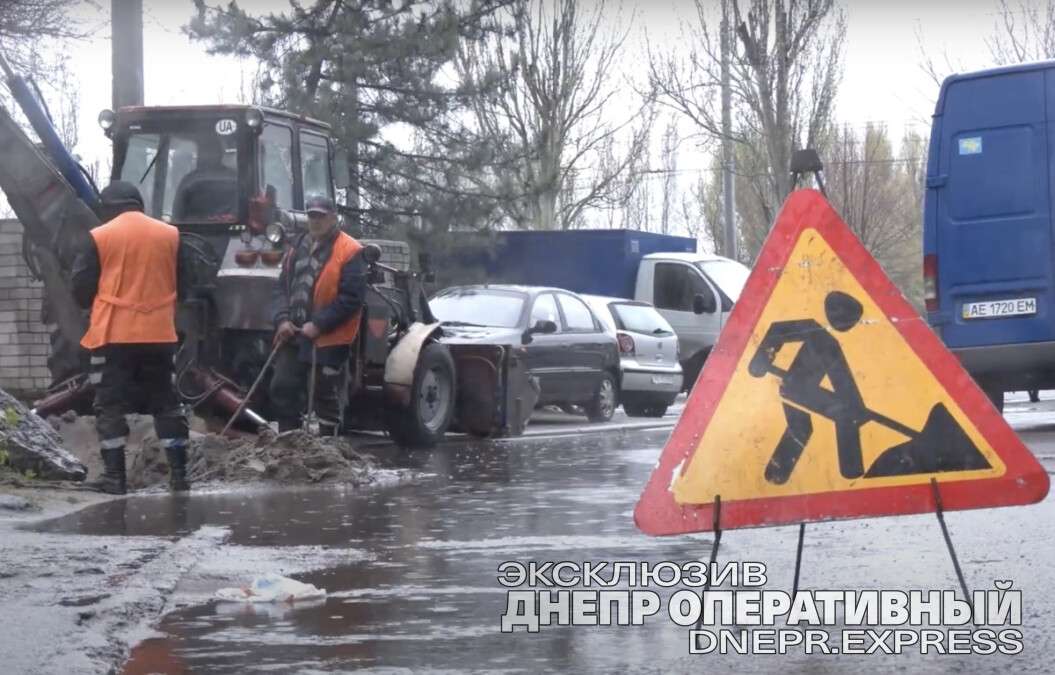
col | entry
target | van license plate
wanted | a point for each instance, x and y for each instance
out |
(662, 379)
(992, 309)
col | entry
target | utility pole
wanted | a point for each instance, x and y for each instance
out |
(728, 155)
(126, 58)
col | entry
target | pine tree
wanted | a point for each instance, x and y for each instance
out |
(374, 69)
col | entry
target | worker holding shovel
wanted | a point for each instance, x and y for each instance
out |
(317, 309)
(940, 446)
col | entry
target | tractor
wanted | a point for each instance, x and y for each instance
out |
(233, 179)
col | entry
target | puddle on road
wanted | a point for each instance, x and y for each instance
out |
(426, 594)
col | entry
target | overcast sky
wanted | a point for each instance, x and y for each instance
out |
(883, 80)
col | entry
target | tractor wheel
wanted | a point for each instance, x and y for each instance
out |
(432, 397)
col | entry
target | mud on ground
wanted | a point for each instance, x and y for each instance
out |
(294, 457)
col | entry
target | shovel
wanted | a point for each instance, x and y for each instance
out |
(311, 421)
(940, 446)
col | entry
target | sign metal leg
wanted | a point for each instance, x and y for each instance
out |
(940, 511)
(716, 526)
(798, 560)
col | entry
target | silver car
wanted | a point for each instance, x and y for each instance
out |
(648, 354)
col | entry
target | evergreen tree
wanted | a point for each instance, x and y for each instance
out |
(376, 70)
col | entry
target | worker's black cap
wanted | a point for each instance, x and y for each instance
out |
(320, 204)
(122, 193)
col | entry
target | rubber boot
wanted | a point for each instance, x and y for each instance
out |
(113, 479)
(177, 459)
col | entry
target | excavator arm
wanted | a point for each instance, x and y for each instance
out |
(55, 220)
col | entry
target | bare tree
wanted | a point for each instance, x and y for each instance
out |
(668, 163)
(785, 68)
(1024, 31)
(33, 37)
(701, 207)
(554, 111)
(880, 195)
(30, 28)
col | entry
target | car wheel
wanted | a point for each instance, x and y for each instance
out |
(645, 409)
(692, 369)
(604, 402)
(432, 397)
(996, 395)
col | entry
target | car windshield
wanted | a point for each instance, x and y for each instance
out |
(640, 319)
(478, 307)
(728, 274)
(186, 175)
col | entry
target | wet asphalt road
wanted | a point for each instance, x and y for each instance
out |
(424, 596)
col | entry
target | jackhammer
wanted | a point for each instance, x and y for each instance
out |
(218, 391)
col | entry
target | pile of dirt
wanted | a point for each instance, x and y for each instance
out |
(293, 457)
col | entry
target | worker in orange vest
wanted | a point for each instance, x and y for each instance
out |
(317, 308)
(128, 276)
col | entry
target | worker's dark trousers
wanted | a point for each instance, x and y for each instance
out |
(136, 378)
(289, 391)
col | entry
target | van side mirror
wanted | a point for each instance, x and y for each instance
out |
(342, 177)
(703, 303)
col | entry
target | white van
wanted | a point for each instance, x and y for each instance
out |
(694, 292)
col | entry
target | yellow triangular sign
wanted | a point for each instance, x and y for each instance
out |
(826, 397)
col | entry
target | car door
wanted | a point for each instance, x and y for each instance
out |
(675, 285)
(546, 353)
(588, 348)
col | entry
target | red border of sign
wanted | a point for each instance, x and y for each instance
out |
(1025, 481)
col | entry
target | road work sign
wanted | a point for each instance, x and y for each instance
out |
(826, 397)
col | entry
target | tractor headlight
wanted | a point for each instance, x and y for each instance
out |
(275, 234)
(254, 119)
(106, 121)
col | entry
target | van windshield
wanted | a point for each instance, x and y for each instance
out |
(728, 274)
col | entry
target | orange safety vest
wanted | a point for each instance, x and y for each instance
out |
(326, 285)
(136, 300)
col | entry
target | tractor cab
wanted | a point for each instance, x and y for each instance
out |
(234, 177)
(216, 170)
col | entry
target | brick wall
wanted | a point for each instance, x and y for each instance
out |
(24, 341)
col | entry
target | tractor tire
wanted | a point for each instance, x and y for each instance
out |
(605, 400)
(432, 399)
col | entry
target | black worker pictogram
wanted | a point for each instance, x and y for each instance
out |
(940, 446)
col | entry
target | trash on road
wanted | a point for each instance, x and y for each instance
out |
(272, 588)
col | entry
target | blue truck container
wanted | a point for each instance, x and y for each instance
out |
(987, 237)
(598, 262)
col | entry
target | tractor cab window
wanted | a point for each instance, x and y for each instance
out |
(315, 165)
(185, 176)
(140, 164)
(276, 164)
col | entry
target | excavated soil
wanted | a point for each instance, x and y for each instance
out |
(294, 457)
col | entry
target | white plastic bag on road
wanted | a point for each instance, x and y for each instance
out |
(271, 588)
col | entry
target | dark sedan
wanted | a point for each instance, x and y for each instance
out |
(568, 352)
